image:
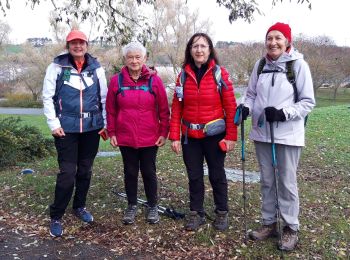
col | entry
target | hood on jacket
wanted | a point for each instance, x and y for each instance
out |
(292, 54)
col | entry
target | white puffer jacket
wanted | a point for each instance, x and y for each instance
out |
(262, 93)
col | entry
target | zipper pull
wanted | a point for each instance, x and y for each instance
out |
(273, 79)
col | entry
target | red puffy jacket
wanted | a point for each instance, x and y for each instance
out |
(138, 118)
(202, 103)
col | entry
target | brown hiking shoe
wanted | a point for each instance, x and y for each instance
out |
(264, 232)
(221, 220)
(194, 221)
(289, 239)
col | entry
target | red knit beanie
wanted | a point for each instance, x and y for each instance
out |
(283, 28)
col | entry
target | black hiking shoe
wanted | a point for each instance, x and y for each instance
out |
(221, 220)
(194, 221)
(130, 214)
(152, 215)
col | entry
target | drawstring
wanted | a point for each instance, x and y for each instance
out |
(273, 78)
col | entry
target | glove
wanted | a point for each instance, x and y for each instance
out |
(244, 111)
(274, 115)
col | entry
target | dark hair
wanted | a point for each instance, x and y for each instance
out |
(188, 57)
(67, 45)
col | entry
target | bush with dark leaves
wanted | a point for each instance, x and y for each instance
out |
(21, 143)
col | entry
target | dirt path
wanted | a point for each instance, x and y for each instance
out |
(18, 245)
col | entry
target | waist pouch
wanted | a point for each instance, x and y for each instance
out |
(214, 127)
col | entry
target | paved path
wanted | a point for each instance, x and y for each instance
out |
(21, 111)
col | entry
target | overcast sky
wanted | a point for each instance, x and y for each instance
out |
(328, 18)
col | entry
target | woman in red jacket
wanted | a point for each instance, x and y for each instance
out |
(198, 100)
(138, 122)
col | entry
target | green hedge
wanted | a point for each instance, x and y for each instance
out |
(21, 143)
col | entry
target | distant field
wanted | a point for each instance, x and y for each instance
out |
(324, 97)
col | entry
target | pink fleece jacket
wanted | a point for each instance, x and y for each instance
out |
(138, 118)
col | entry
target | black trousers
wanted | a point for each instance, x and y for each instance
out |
(194, 154)
(76, 153)
(143, 159)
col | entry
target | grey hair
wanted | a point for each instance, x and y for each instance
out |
(133, 46)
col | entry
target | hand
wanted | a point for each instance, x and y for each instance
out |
(161, 141)
(58, 132)
(244, 111)
(229, 144)
(274, 115)
(176, 146)
(113, 141)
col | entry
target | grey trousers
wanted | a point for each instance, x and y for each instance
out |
(287, 163)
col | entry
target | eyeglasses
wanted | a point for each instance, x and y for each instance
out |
(199, 46)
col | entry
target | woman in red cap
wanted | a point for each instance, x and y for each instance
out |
(279, 107)
(74, 95)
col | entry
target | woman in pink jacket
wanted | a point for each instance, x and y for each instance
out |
(138, 122)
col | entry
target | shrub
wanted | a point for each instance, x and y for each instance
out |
(21, 143)
(21, 100)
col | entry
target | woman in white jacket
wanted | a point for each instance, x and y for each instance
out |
(271, 100)
(74, 95)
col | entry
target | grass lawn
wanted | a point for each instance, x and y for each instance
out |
(324, 186)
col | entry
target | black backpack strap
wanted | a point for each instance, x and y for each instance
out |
(262, 63)
(120, 85)
(150, 82)
(291, 78)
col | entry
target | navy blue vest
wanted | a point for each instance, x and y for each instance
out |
(68, 100)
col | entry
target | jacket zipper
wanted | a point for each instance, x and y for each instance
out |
(81, 106)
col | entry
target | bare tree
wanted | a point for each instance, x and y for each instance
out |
(34, 62)
(5, 30)
(110, 17)
(240, 58)
(174, 24)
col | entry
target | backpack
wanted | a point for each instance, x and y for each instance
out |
(290, 76)
(122, 88)
(217, 76)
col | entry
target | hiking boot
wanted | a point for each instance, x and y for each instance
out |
(130, 214)
(264, 232)
(56, 229)
(221, 220)
(84, 215)
(289, 239)
(194, 221)
(152, 215)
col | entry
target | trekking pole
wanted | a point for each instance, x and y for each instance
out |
(238, 121)
(275, 174)
(169, 211)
